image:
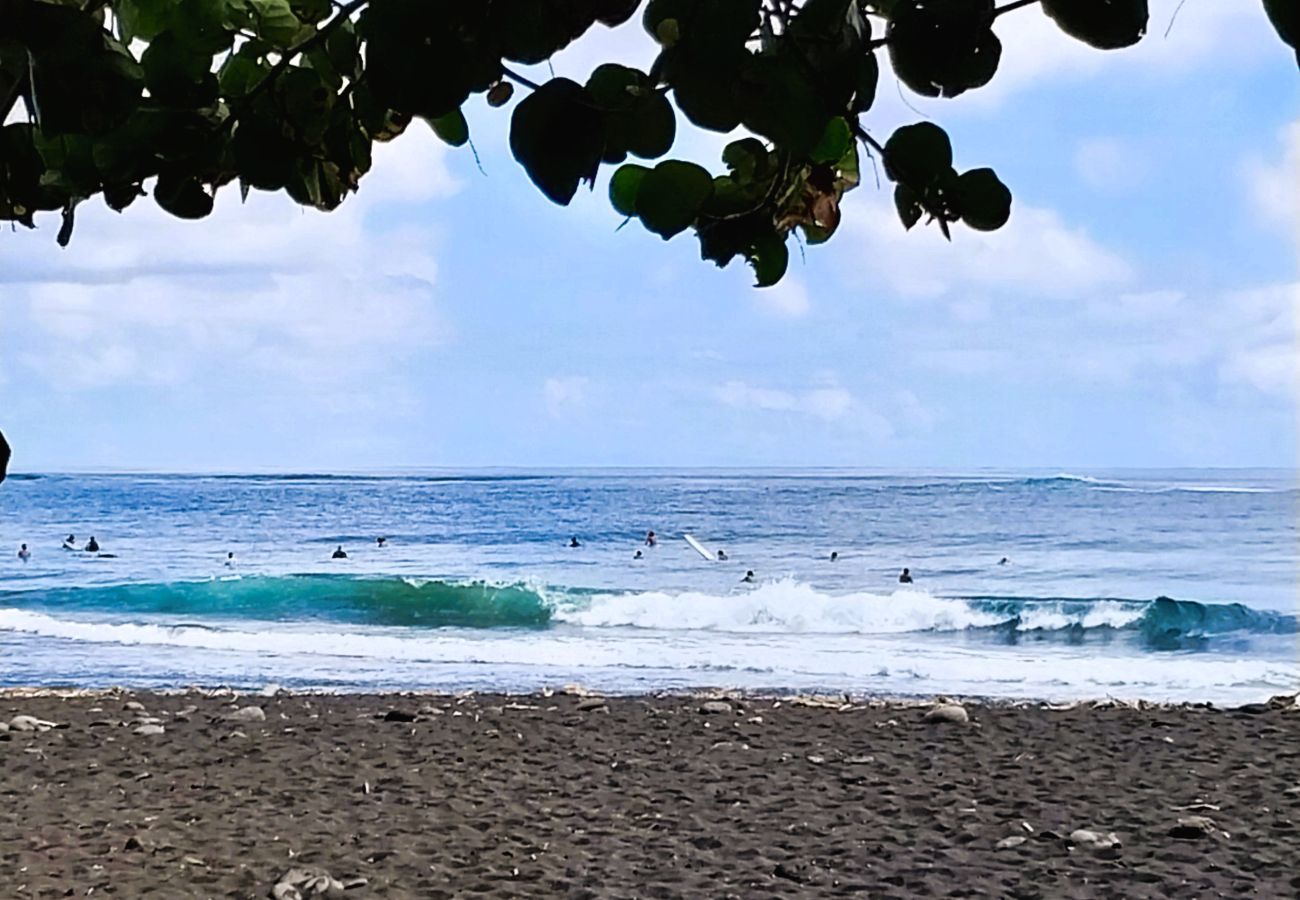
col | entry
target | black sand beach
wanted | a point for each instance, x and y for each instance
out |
(574, 796)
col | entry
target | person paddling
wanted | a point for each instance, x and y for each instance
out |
(24, 554)
(339, 554)
(906, 577)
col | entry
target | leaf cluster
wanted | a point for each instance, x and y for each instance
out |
(184, 97)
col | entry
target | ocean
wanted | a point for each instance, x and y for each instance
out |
(1173, 585)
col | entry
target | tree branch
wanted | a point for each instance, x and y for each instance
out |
(345, 13)
(1015, 4)
(515, 76)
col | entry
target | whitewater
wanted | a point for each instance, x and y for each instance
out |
(1176, 586)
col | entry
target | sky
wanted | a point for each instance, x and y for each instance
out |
(1138, 310)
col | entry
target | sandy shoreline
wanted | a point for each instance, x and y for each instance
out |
(183, 795)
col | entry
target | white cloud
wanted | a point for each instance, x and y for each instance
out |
(265, 289)
(1272, 184)
(565, 395)
(827, 402)
(1035, 253)
(787, 300)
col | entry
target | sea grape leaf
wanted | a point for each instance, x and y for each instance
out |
(917, 154)
(624, 186)
(942, 48)
(1105, 24)
(451, 128)
(983, 200)
(671, 195)
(558, 135)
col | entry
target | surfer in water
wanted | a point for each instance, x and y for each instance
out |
(835, 554)
(230, 560)
(381, 542)
(573, 542)
(70, 542)
(906, 577)
(92, 545)
(722, 556)
(24, 554)
(638, 555)
(339, 553)
(749, 577)
(1003, 561)
(650, 539)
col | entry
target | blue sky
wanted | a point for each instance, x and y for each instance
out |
(1139, 309)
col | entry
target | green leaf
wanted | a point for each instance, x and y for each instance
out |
(182, 196)
(451, 128)
(780, 103)
(983, 200)
(835, 142)
(312, 11)
(623, 188)
(1105, 24)
(178, 74)
(238, 74)
(671, 195)
(942, 48)
(770, 258)
(638, 119)
(747, 159)
(273, 20)
(908, 204)
(918, 154)
(1285, 16)
(868, 79)
(305, 101)
(142, 19)
(416, 62)
(558, 135)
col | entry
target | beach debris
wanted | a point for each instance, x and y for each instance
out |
(1198, 806)
(133, 706)
(150, 728)
(30, 723)
(1009, 843)
(132, 844)
(271, 690)
(398, 715)
(590, 703)
(1096, 841)
(951, 714)
(247, 714)
(430, 710)
(575, 690)
(299, 884)
(1292, 791)
(716, 707)
(1193, 828)
(183, 715)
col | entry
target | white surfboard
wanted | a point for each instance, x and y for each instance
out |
(698, 547)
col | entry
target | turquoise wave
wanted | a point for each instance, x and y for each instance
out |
(1161, 624)
(359, 601)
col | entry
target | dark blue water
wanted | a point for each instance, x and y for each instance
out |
(476, 586)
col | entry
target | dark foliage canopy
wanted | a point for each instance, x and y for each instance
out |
(181, 98)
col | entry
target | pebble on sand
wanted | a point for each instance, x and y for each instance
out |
(1009, 843)
(30, 723)
(1094, 840)
(716, 707)
(150, 728)
(947, 714)
(247, 714)
(1193, 828)
(300, 884)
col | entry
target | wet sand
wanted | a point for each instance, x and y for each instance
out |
(573, 796)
